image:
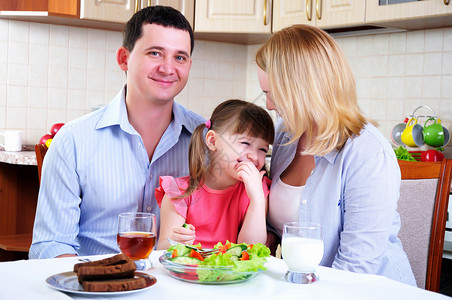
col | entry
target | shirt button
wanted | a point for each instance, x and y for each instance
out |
(148, 209)
(304, 202)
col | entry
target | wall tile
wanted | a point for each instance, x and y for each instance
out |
(37, 76)
(3, 117)
(18, 53)
(59, 35)
(2, 95)
(19, 32)
(415, 41)
(39, 33)
(397, 43)
(434, 40)
(78, 37)
(432, 63)
(38, 55)
(17, 96)
(37, 97)
(16, 118)
(17, 74)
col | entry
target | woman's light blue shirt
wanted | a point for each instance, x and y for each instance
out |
(353, 194)
(97, 167)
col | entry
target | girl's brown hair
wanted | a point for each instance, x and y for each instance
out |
(234, 116)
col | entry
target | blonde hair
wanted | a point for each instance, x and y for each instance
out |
(234, 116)
(312, 87)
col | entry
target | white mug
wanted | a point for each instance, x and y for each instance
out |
(12, 140)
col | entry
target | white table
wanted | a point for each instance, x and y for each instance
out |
(25, 279)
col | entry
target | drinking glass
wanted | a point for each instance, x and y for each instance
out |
(136, 237)
(302, 250)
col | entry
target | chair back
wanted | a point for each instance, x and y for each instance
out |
(40, 150)
(424, 196)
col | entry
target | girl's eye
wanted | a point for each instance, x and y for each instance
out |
(245, 143)
(263, 150)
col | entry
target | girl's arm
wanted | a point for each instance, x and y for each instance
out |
(254, 228)
(171, 226)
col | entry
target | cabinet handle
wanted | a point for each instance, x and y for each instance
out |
(265, 12)
(308, 10)
(318, 9)
(446, 2)
(137, 5)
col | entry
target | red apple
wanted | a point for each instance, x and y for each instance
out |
(432, 155)
(55, 127)
(44, 138)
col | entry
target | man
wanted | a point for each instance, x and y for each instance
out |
(109, 161)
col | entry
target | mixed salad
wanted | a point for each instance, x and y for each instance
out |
(231, 262)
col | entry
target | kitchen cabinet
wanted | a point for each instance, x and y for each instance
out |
(324, 14)
(19, 186)
(122, 11)
(103, 14)
(233, 16)
(68, 8)
(411, 14)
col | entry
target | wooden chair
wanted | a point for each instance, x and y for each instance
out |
(40, 150)
(424, 196)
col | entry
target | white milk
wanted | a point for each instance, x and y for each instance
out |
(302, 254)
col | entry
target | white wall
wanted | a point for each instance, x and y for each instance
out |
(51, 73)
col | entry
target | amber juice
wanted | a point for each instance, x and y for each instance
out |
(136, 245)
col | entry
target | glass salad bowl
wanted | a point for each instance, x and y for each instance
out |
(204, 274)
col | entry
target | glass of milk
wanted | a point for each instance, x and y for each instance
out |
(302, 250)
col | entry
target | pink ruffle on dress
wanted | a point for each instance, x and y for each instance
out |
(216, 215)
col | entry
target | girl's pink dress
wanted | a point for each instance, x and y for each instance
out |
(216, 215)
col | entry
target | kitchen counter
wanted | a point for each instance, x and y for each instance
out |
(19, 187)
(25, 157)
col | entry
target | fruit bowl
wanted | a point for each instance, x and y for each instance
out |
(203, 274)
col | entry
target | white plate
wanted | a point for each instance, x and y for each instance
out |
(68, 282)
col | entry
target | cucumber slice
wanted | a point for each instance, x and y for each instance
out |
(236, 250)
(186, 260)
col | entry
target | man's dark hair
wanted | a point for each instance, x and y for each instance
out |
(161, 15)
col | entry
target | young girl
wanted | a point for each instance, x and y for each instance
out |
(225, 196)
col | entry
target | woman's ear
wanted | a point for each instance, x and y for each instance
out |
(122, 57)
(211, 140)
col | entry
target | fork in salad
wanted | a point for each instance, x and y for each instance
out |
(203, 251)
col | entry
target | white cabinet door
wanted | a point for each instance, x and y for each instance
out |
(407, 10)
(339, 13)
(321, 13)
(235, 16)
(289, 12)
(120, 11)
(186, 7)
(117, 11)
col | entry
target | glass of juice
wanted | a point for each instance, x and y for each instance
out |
(137, 236)
(302, 250)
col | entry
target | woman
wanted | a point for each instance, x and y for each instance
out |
(349, 170)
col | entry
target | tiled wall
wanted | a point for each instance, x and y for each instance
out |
(395, 73)
(51, 73)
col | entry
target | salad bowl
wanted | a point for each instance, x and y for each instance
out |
(204, 275)
(232, 264)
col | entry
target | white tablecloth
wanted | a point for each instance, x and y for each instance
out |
(25, 279)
